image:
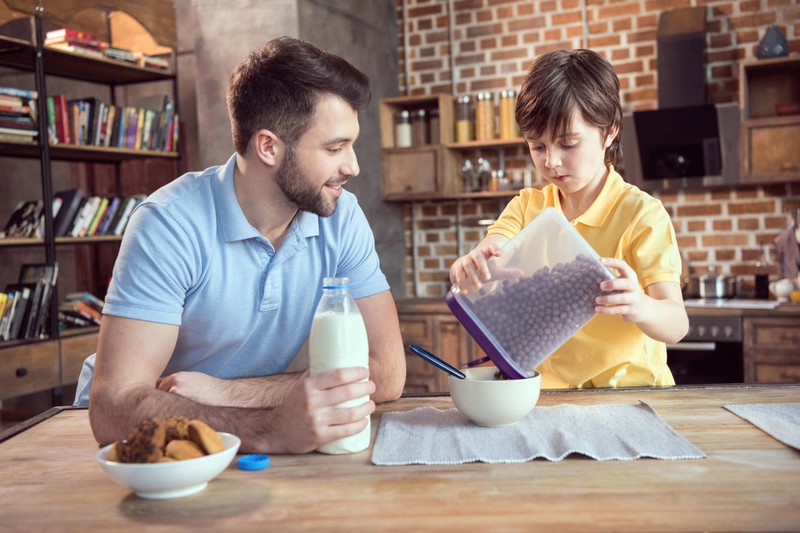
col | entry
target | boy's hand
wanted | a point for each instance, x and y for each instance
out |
(628, 300)
(472, 271)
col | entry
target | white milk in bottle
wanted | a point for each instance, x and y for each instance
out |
(339, 339)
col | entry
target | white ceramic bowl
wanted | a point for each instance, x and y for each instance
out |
(170, 480)
(491, 402)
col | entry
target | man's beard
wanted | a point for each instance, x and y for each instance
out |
(299, 190)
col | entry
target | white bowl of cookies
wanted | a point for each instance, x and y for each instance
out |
(168, 459)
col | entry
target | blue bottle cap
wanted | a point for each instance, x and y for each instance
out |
(253, 462)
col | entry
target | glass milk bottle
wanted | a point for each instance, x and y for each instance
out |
(339, 339)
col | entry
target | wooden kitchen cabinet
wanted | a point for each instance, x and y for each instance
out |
(28, 368)
(772, 349)
(76, 345)
(429, 324)
(769, 93)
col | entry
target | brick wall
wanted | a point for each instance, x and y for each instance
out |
(494, 42)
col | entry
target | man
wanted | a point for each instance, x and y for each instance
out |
(219, 273)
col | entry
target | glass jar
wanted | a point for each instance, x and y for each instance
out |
(484, 117)
(433, 126)
(762, 270)
(508, 125)
(464, 126)
(419, 128)
(402, 130)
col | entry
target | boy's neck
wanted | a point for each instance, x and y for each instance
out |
(575, 204)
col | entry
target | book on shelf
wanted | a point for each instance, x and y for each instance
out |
(3, 304)
(46, 274)
(68, 33)
(21, 308)
(92, 216)
(80, 308)
(73, 319)
(62, 118)
(121, 54)
(91, 228)
(77, 49)
(86, 297)
(70, 204)
(8, 311)
(52, 132)
(108, 216)
(84, 218)
(24, 221)
(130, 204)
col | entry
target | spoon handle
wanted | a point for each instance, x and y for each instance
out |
(435, 361)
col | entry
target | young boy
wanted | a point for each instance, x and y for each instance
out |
(570, 114)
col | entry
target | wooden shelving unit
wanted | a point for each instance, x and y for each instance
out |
(28, 366)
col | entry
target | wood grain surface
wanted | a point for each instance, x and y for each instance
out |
(750, 482)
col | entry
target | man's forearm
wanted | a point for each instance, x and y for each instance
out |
(259, 392)
(112, 418)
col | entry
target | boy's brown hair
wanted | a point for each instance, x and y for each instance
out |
(560, 82)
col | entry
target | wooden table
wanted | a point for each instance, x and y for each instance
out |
(49, 480)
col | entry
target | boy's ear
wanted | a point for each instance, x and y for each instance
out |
(612, 134)
(268, 147)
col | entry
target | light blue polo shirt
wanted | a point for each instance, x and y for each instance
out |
(190, 258)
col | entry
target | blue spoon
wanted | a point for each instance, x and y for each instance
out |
(435, 361)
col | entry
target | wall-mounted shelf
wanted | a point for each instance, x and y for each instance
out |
(768, 88)
(430, 172)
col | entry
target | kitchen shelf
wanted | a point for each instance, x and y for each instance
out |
(74, 152)
(769, 151)
(20, 54)
(494, 143)
(430, 172)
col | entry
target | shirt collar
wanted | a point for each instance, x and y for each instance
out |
(598, 212)
(233, 222)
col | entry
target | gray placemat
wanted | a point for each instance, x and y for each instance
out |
(781, 420)
(430, 436)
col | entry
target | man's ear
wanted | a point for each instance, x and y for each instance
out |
(268, 147)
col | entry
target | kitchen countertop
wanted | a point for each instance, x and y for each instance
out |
(438, 305)
(749, 481)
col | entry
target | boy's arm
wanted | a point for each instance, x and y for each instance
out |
(659, 311)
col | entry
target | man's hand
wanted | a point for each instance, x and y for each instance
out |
(258, 392)
(196, 386)
(309, 417)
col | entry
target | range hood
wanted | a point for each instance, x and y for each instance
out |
(686, 142)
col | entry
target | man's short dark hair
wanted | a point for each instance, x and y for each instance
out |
(278, 87)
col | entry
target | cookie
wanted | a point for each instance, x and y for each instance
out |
(113, 454)
(145, 444)
(208, 439)
(177, 428)
(183, 449)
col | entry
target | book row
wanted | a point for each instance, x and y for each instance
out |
(92, 122)
(24, 306)
(73, 216)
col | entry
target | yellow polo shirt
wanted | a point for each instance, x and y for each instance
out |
(629, 224)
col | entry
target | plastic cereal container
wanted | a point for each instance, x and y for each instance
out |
(542, 290)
